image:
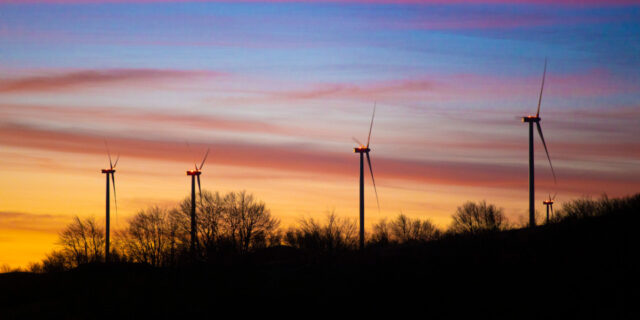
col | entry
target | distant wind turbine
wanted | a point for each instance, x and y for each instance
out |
(195, 174)
(549, 204)
(531, 120)
(109, 172)
(362, 150)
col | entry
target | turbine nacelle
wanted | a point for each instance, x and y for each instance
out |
(108, 170)
(361, 149)
(549, 200)
(531, 119)
(193, 172)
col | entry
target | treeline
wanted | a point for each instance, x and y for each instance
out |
(237, 223)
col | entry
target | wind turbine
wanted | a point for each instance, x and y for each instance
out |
(109, 172)
(362, 150)
(549, 204)
(531, 120)
(195, 174)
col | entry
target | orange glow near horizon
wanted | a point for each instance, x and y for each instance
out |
(68, 186)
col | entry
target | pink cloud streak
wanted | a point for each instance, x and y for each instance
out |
(136, 118)
(365, 91)
(288, 158)
(81, 78)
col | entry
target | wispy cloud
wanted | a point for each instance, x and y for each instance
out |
(84, 78)
(136, 118)
(309, 160)
(365, 91)
(32, 222)
(464, 87)
(460, 18)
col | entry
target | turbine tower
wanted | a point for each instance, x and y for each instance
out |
(362, 150)
(531, 120)
(109, 172)
(549, 204)
(195, 175)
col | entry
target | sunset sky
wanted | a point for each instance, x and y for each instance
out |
(277, 90)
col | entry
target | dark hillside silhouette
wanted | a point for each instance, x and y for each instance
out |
(580, 266)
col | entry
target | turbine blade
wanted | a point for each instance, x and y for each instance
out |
(544, 74)
(547, 152)
(371, 125)
(373, 180)
(115, 199)
(116, 163)
(108, 153)
(358, 142)
(554, 196)
(205, 158)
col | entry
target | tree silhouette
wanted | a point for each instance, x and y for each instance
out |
(478, 217)
(210, 221)
(209, 213)
(248, 222)
(83, 241)
(151, 237)
(235, 221)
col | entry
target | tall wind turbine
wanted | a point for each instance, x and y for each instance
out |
(109, 172)
(531, 120)
(362, 150)
(195, 174)
(549, 204)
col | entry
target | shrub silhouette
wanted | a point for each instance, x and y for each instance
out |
(403, 230)
(381, 234)
(473, 218)
(336, 234)
(56, 261)
(586, 207)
